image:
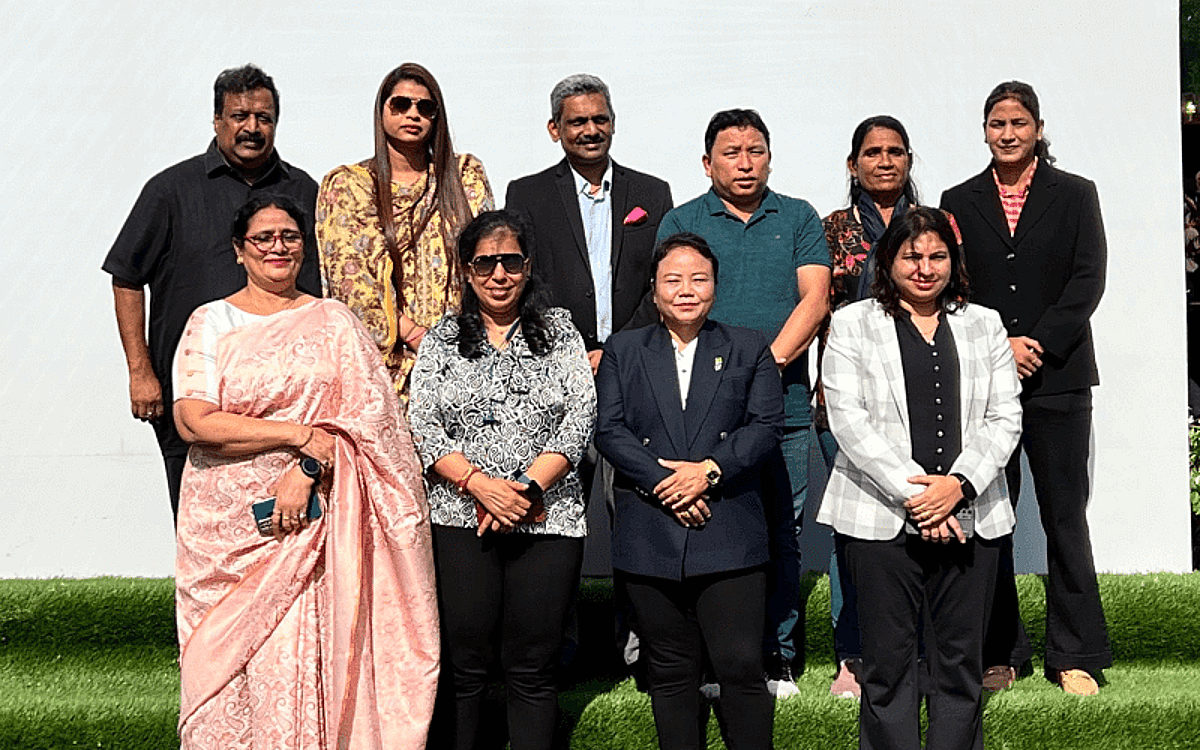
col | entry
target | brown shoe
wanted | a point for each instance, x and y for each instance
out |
(996, 679)
(1077, 682)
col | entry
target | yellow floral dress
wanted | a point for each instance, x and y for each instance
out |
(357, 269)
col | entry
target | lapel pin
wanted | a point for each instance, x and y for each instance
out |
(717, 363)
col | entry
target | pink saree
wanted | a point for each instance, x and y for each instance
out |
(328, 639)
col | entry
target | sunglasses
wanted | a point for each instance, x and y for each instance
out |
(427, 108)
(485, 265)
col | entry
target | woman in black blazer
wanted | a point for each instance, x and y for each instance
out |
(689, 409)
(1035, 249)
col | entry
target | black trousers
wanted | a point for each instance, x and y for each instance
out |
(953, 583)
(174, 466)
(678, 621)
(1056, 433)
(514, 590)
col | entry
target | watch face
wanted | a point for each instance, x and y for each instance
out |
(311, 467)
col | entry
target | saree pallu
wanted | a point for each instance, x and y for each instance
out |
(328, 638)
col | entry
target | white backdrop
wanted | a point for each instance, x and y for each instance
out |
(100, 97)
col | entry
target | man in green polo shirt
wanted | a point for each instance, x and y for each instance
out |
(775, 273)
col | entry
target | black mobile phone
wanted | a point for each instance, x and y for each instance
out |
(263, 510)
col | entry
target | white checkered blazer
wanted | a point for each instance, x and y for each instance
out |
(868, 414)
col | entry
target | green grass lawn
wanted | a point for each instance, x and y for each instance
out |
(92, 663)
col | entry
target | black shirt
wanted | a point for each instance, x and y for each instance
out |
(931, 383)
(177, 241)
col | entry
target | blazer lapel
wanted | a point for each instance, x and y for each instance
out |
(1042, 194)
(987, 203)
(620, 195)
(565, 180)
(883, 330)
(658, 360)
(708, 367)
(965, 344)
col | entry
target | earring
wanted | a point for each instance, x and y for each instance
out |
(239, 260)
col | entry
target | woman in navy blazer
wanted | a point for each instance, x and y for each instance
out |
(689, 410)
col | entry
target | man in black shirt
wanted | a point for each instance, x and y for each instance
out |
(177, 241)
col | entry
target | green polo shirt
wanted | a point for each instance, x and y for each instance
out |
(756, 284)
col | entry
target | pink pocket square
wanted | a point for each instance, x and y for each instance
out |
(636, 216)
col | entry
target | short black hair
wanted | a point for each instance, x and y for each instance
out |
(678, 240)
(915, 222)
(249, 77)
(242, 217)
(734, 118)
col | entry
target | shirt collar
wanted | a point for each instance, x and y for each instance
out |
(582, 185)
(715, 206)
(1022, 186)
(215, 162)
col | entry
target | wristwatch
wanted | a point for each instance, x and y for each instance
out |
(712, 472)
(534, 490)
(311, 468)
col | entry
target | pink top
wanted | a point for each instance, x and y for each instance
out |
(1013, 200)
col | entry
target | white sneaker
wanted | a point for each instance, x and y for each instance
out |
(780, 683)
(780, 689)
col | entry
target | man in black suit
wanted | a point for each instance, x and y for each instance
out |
(1034, 246)
(594, 220)
(594, 224)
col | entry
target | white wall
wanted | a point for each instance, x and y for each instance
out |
(100, 97)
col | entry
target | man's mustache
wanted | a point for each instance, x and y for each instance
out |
(255, 138)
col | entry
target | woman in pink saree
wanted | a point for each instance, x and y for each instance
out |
(323, 634)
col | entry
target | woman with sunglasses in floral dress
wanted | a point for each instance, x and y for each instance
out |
(386, 226)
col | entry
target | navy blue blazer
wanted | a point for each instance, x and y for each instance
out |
(734, 416)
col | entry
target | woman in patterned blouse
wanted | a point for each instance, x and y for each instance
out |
(881, 191)
(502, 408)
(386, 226)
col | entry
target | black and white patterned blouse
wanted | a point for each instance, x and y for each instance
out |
(501, 411)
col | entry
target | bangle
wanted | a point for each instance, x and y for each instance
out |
(466, 477)
(408, 339)
(307, 440)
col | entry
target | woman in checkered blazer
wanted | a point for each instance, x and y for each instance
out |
(922, 394)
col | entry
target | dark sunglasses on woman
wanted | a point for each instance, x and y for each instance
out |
(485, 265)
(427, 108)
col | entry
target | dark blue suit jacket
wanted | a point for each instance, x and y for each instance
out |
(734, 416)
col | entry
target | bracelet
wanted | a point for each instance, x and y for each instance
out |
(307, 440)
(466, 477)
(411, 335)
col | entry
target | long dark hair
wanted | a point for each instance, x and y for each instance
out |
(1024, 94)
(530, 306)
(449, 199)
(856, 142)
(915, 222)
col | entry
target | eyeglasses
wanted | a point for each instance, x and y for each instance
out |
(264, 241)
(427, 108)
(485, 265)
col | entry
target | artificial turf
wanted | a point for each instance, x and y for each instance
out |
(92, 663)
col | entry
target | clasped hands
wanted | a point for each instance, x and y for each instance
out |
(503, 502)
(933, 509)
(683, 492)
